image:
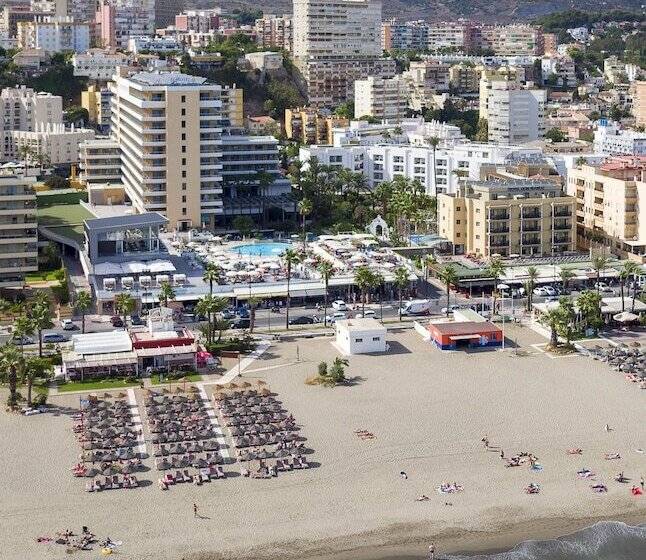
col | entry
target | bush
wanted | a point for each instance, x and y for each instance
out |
(39, 399)
(322, 369)
(237, 344)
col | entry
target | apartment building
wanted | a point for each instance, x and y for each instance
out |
(99, 64)
(439, 170)
(22, 107)
(200, 21)
(100, 162)
(639, 103)
(57, 143)
(457, 36)
(608, 199)
(308, 125)
(117, 20)
(611, 139)
(274, 31)
(404, 35)
(425, 79)
(506, 217)
(164, 11)
(54, 34)
(514, 115)
(18, 230)
(514, 39)
(145, 43)
(558, 71)
(383, 99)
(335, 43)
(96, 101)
(10, 16)
(465, 77)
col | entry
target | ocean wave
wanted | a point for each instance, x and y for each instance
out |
(606, 540)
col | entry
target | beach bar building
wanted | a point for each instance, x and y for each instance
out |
(360, 336)
(451, 335)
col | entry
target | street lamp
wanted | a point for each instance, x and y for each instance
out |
(502, 288)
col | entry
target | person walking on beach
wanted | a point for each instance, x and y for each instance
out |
(194, 509)
(502, 453)
(641, 482)
(607, 427)
(431, 552)
(403, 475)
(485, 440)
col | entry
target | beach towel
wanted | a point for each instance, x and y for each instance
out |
(537, 467)
(637, 491)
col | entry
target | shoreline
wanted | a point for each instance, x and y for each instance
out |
(410, 543)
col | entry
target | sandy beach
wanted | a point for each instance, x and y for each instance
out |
(428, 410)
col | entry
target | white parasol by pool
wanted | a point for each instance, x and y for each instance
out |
(625, 317)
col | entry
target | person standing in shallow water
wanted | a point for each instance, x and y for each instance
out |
(431, 552)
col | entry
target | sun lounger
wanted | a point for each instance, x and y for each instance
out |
(205, 475)
(168, 479)
(187, 477)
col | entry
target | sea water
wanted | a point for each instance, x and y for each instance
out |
(606, 540)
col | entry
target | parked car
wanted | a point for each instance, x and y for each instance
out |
(135, 320)
(339, 305)
(227, 314)
(54, 337)
(451, 308)
(303, 320)
(116, 321)
(68, 325)
(369, 313)
(336, 316)
(241, 323)
(541, 291)
(22, 340)
(243, 313)
(603, 288)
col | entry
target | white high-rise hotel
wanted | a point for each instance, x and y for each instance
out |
(335, 43)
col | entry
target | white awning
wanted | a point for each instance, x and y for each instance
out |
(161, 266)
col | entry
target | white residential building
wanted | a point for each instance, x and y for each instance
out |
(54, 34)
(384, 99)
(610, 139)
(266, 60)
(514, 115)
(60, 145)
(99, 64)
(425, 79)
(384, 162)
(140, 44)
(560, 68)
(22, 107)
(100, 161)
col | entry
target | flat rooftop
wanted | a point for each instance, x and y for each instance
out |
(167, 79)
(455, 328)
(129, 220)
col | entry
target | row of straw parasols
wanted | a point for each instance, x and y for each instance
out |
(222, 391)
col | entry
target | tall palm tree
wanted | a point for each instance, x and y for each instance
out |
(377, 285)
(628, 270)
(11, 362)
(41, 315)
(82, 304)
(495, 270)
(166, 293)
(401, 281)
(429, 261)
(212, 273)
(305, 207)
(326, 270)
(290, 257)
(124, 304)
(637, 272)
(566, 275)
(448, 276)
(253, 302)
(23, 327)
(599, 264)
(532, 274)
(364, 279)
(35, 368)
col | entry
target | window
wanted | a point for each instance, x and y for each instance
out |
(376, 338)
(183, 148)
(458, 208)
(457, 222)
(457, 235)
(183, 135)
(184, 198)
(183, 124)
(419, 170)
(183, 161)
(398, 168)
(183, 100)
(358, 339)
(419, 160)
(477, 237)
(183, 186)
(183, 112)
(184, 213)
(398, 159)
(184, 174)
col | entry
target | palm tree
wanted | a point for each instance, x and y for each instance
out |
(11, 361)
(124, 304)
(212, 273)
(448, 276)
(566, 275)
(326, 270)
(628, 270)
(599, 264)
(253, 302)
(166, 293)
(305, 207)
(35, 368)
(41, 315)
(532, 273)
(82, 304)
(636, 272)
(589, 304)
(204, 306)
(552, 319)
(401, 281)
(377, 284)
(23, 326)
(495, 269)
(290, 257)
(363, 278)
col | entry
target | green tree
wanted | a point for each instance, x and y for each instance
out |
(552, 320)
(23, 327)
(628, 270)
(304, 209)
(11, 362)
(82, 305)
(34, 369)
(401, 281)
(448, 276)
(124, 304)
(76, 115)
(555, 135)
(337, 371)
(567, 316)
(290, 258)
(364, 279)
(212, 273)
(166, 293)
(41, 316)
(482, 133)
(253, 302)
(599, 264)
(589, 304)
(566, 275)
(244, 224)
(532, 274)
(495, 270)
(326, 270)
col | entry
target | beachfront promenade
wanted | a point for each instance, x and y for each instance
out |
(428, 411)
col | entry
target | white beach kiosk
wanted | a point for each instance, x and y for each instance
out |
(360, 336)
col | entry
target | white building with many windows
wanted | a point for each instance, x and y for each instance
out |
(384, 99)
(612, 140)
(58, 144)
(54, 34)
(99, 64)
(22, 107)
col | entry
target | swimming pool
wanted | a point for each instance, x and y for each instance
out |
(267, 249)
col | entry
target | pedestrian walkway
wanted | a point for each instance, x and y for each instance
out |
(136, 420)
(243, 364)
(219, 434)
